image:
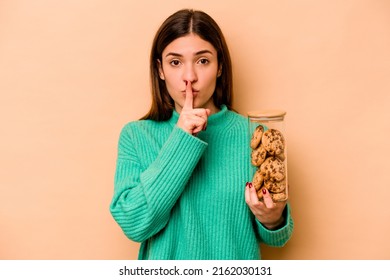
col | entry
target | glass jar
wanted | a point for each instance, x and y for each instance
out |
(268, 153)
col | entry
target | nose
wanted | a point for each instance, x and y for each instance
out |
(189, 74)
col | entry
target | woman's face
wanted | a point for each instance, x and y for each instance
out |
(192, 59)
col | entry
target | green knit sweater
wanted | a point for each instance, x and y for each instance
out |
(183, 196)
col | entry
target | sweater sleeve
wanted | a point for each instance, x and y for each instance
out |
(279, 237)
(143, 199)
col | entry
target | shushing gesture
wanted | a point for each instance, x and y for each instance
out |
(192, 120)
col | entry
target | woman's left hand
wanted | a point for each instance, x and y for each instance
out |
(268, 212)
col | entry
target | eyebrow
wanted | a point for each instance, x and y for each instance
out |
(197, 53)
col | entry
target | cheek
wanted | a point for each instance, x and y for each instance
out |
(172, 78)
(210, 79)
(173, 86)
(211, 74)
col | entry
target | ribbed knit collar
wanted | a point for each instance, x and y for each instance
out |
(215, 121)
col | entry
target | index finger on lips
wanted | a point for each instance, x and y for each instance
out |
(188, 102)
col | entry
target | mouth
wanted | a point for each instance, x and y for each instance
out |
(194, 92)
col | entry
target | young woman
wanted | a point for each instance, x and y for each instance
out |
(181, 170)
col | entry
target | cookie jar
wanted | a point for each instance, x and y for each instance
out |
(268, 153)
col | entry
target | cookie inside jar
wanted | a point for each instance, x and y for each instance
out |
(268, 153)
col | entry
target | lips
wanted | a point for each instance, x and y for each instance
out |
(193, 90)
(194, 93)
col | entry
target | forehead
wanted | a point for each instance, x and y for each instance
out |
(189, 45)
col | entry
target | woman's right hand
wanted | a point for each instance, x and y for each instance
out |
(192, 120)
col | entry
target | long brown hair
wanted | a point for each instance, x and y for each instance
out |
(177, 25)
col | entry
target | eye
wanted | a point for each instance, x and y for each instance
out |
(175, 62)
(203, 61)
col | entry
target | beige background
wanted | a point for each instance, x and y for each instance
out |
(72, 73)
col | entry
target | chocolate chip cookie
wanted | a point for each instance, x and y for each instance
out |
(273, 169)
(258, 155)
(273, 141)
(256, 136)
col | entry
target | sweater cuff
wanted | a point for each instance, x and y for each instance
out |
(277, 237)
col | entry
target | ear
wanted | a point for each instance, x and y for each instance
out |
(219, 73)
(160, 70)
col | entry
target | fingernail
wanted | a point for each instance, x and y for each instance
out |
(250, 185)
(247, 184)
(264, 191)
